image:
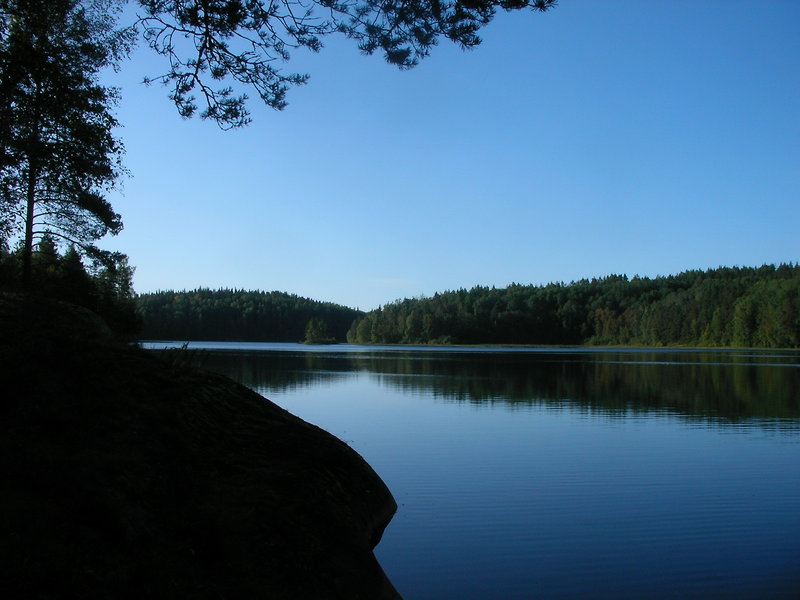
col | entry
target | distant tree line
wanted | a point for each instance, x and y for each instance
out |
(747, 307)
(104, 287)
(241, 315)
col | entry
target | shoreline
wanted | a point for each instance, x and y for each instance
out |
(126, 472)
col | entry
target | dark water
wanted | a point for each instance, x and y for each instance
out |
(563, 474)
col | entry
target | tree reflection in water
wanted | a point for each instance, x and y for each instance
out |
(734, 386)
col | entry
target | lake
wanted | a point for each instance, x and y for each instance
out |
(561, 473)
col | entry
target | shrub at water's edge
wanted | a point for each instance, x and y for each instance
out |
(128, 476)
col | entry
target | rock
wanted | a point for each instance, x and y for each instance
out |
(125, 475)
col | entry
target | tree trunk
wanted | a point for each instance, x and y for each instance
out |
(27, 251)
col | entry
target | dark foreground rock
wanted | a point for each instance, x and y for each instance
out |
(128, 476)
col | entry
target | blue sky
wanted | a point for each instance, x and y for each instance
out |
(634, 137)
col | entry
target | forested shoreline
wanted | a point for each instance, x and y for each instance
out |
(728, 306)
(242, 315)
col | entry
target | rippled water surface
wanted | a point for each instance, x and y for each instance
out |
(562, 473)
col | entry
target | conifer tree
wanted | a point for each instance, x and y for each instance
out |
(216, 46)
(58, 153)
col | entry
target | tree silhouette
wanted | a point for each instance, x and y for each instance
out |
(214, 45)
(58, 154)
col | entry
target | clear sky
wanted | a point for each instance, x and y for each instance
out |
(638, 137)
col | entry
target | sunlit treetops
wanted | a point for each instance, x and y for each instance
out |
(719, 307)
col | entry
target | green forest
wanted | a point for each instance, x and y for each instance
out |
(745, 307)
(242, 315)
(730, 306)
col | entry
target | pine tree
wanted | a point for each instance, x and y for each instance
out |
(216, 46)
(58, 153)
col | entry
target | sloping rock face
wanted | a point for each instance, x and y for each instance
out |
(128, 476)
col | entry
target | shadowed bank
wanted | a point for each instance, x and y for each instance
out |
(130, 476)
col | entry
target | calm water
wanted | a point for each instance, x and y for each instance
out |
(562, 473)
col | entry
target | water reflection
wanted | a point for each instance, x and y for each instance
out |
(730, 387)
(585, 474)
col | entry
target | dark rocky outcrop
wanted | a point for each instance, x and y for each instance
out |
(126, 475)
